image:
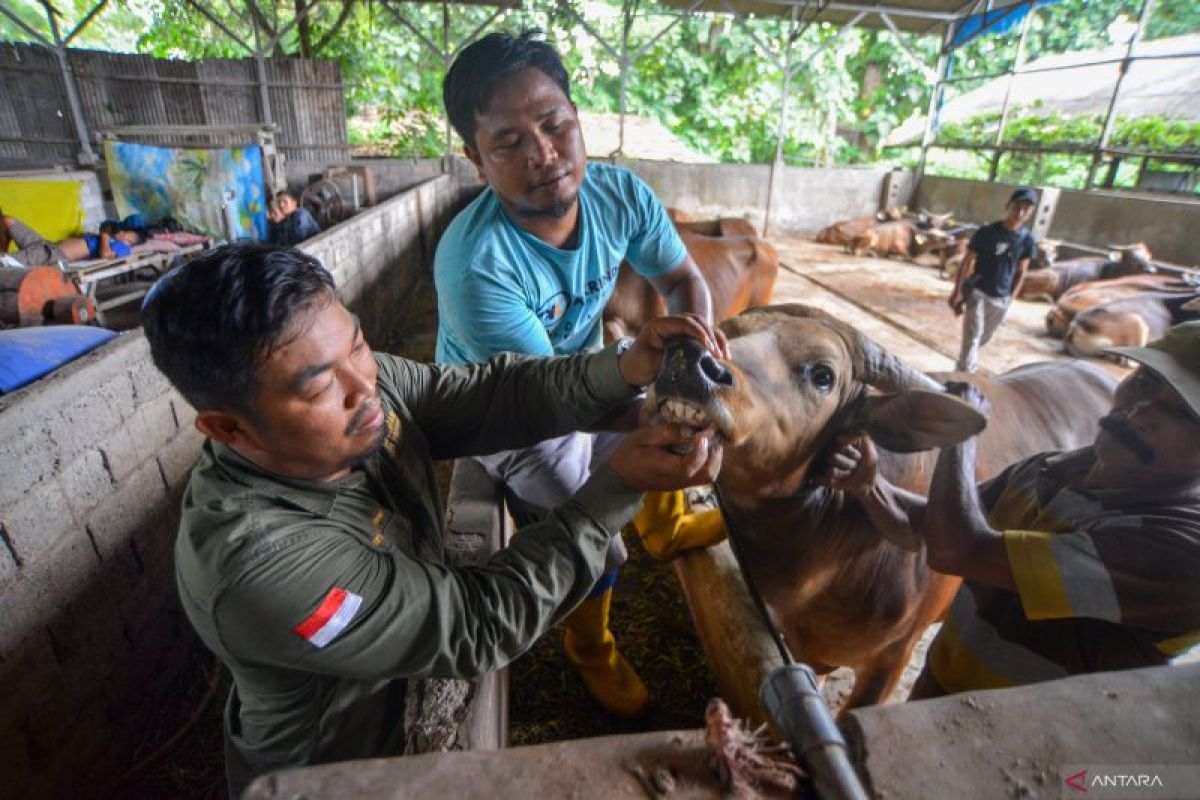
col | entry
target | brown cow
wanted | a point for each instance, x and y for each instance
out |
(885, 240)
(1131, 259)
(843, 594)
(843, 232)
(1128, 322)
(724, 226)
(740, 272)
(1087, 295)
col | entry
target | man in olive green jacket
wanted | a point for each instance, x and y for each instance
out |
(310, 553)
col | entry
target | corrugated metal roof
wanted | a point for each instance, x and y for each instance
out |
(1082, 82)
(918, 16)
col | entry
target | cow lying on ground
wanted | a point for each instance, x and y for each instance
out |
(844, 231)
(844, 595)
(740, 272)
(1129, 321)
(1132, 259)
(906, 238)
(1088, 295)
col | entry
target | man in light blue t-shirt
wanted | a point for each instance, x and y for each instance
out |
(529, 266)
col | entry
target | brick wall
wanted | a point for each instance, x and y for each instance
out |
(93, 460)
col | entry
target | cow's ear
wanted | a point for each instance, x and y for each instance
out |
(919, 419)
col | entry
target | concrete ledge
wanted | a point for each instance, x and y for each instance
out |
(603, 768)
(456, 714)
(1018, 742)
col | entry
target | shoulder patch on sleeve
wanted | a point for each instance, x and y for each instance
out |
(331, 617)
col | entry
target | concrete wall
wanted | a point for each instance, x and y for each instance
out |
(1167, 225)
(391, 176)
(806, 199)
(94, 458)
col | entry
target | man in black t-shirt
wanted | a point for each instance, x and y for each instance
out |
(991, 275)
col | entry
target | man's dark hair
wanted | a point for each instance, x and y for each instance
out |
(213, 321)
(484, 65)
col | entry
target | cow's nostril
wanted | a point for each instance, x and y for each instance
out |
(715, 371)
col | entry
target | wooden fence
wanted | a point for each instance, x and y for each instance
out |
(306, 100)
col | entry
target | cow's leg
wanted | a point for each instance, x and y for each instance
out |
(875, 682)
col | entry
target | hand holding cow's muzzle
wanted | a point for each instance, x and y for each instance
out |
(644, 361)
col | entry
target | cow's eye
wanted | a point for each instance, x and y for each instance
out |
(822, 377)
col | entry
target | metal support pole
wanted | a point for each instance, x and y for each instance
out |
(21, 24)
(913, 58)
(828, 43)
(1106, 131)
(220, 25)
(445, 68)
(260, 66)
(86, 156)
(935, 102)
(87, 20)
(627, 12)
(1012, 73)
(781, 131)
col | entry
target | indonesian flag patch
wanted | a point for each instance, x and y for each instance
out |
(330, 618)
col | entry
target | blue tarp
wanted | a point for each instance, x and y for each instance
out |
(27, 354)
(203, 189)
(996, 21)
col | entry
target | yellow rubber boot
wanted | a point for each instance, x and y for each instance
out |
(667, 529)
(590, 648)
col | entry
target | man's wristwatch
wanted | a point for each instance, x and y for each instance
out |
(623, 346)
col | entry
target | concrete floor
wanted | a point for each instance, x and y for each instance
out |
(903, 307)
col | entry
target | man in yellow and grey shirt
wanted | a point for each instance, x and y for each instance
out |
(1074, 562)
(310, 554)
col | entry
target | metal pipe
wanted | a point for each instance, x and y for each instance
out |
(935, 99)
(86, 155)
(928, 73)
(260, 67)
(895, 11)
(627, 11)
(446, 57)
(21, 24)
(791, 697)
(781, 131)
(1008, 87)
(830, 42)
(220, 25)
(87, 19)
(1106, 130)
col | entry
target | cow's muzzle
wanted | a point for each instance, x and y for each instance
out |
(691, 373)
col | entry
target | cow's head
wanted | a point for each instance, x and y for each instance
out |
(1045, 253)
(797, 378)
(937, 222)
(1134, 258)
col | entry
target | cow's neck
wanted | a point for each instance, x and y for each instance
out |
(814, 524)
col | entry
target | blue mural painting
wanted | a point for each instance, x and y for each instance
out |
(208, 191)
